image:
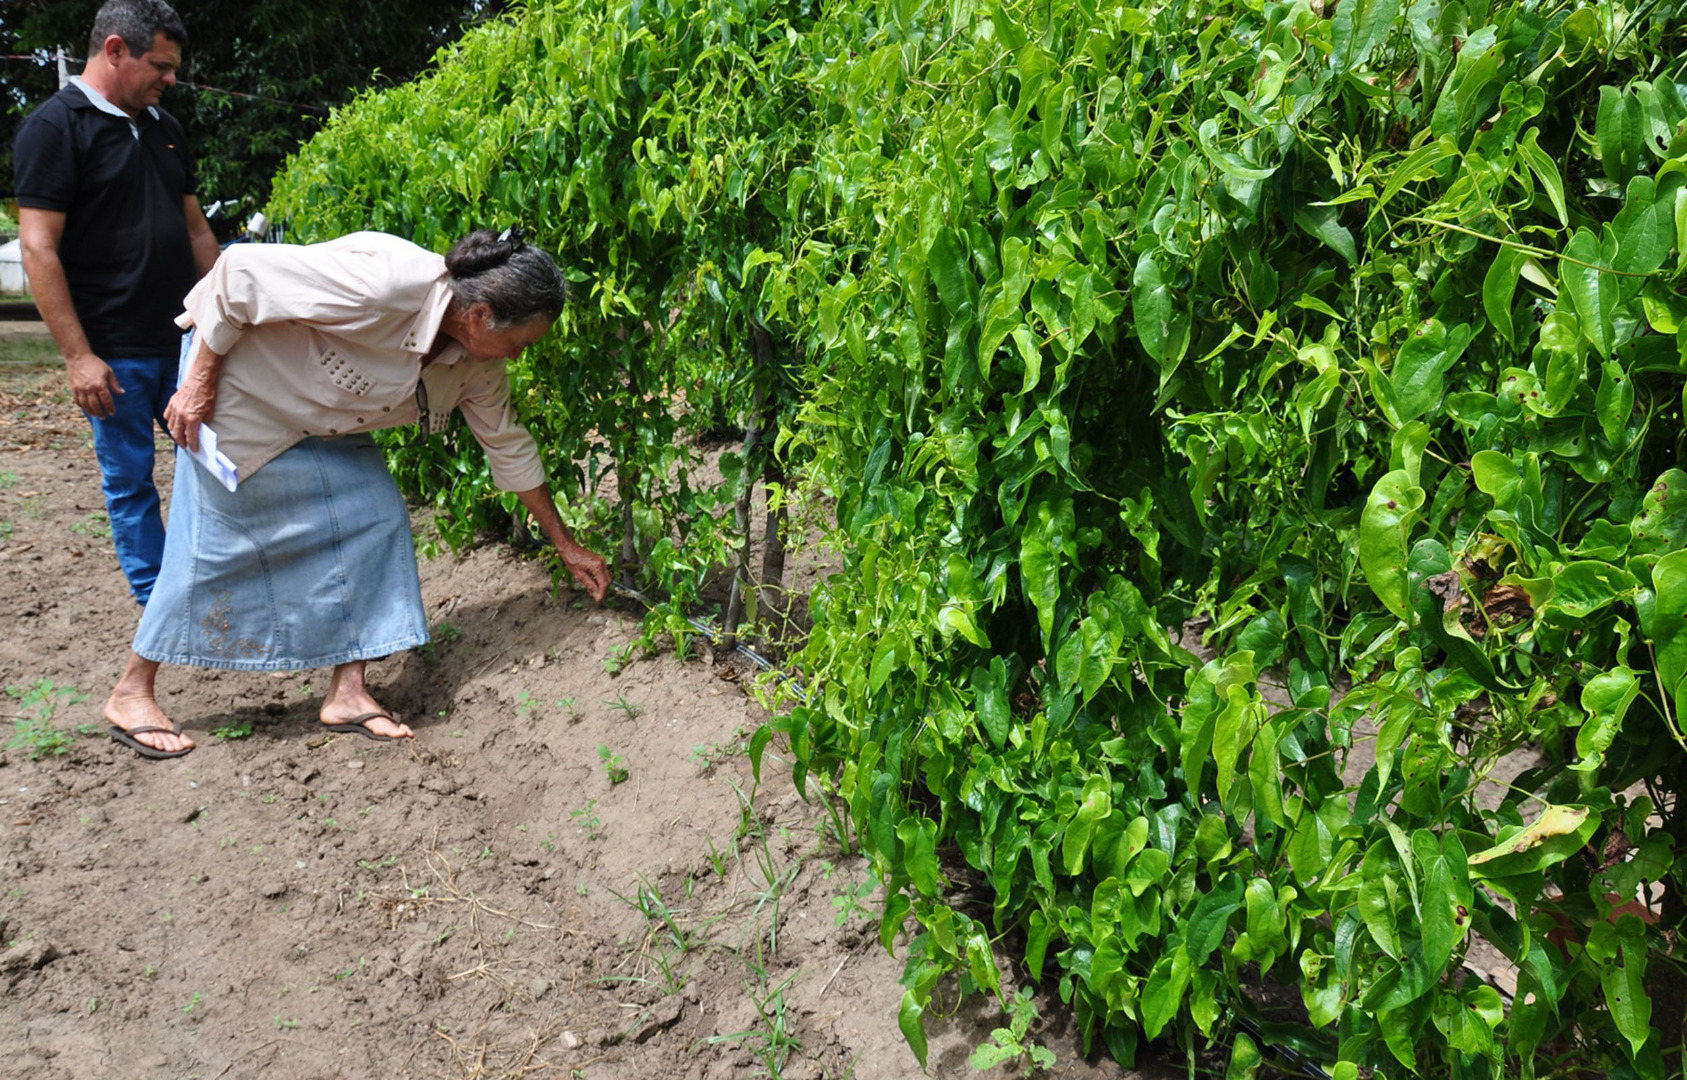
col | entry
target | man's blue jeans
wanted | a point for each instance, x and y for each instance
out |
(123, 442)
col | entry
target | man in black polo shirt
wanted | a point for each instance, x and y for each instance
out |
(113, 238)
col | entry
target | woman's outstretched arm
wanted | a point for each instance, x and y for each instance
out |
(588, 567)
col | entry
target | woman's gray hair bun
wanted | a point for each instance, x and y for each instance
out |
(512, 277)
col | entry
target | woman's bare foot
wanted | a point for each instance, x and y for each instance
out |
(349, 702)
(132, 706)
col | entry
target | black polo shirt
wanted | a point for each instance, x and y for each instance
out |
(126, 251)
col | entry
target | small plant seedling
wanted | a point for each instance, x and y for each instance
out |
(708, 756)
(8, 479)
(443, 634)
(632, 709)
(526, 705)
(850, 904)
(94, 525)
(717, 858)
(1009, 1043)
(285, 1024)
(585, 817)
(40, 739)
(233, 729)
(192, 1003)
(619, 657)
(34, 730)
(572, 707)
(613, 765)
(5, 531)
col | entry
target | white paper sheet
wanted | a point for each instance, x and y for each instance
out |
(215, 461)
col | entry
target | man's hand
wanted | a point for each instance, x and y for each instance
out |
(92, 384)
(589, 569)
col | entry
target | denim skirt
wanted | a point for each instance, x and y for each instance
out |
(308, 563)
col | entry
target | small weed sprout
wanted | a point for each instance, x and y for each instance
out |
(1009, 1043)
(526, 705)
(34, 730)
(772, 1040)
(94, 526)
(619, 657)
(585, 817)
(233, 729)
(571, 706)
(632, 709)
(850, 904)
(443, 634)
(614, 766)
(717, 858)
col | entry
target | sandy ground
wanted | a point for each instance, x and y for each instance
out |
(487, 902)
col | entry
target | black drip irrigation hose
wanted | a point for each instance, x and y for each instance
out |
(713, 637)
(1291, 1059)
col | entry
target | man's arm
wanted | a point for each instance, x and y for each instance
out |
(588, 567)
(205, 249)
(92, 382)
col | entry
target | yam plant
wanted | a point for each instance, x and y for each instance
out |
(1255, 437)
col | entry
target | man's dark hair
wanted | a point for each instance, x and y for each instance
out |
(137, 22)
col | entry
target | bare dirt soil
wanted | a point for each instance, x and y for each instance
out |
(490, 901)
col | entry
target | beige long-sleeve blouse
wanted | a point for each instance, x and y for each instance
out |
(328, 339)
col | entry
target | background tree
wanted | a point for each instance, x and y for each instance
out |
(297, 59)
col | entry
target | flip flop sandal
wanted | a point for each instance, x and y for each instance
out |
(126, 736)
(359, 725)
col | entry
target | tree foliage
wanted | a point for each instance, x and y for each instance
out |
(299, 60)
(1351, 334)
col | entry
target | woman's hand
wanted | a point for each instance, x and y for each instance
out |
(189, 407)
(589, 568)
(196, 399)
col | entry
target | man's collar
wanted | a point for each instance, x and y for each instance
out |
(98, 100)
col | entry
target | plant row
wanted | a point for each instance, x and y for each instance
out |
(1254, 436)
